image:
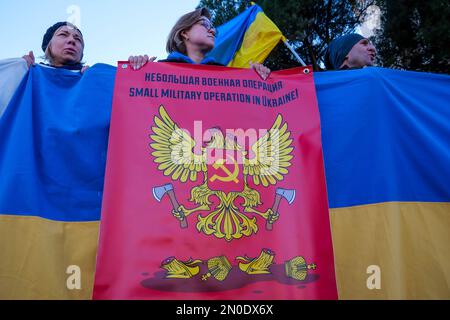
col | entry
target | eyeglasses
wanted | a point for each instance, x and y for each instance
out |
(208, 26)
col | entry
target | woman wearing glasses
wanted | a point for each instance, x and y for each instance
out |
(191, 38)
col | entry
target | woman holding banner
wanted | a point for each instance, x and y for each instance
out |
(190, 40)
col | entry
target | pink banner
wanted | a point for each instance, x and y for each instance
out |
(215, 187)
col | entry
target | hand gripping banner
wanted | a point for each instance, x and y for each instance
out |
(214, 187)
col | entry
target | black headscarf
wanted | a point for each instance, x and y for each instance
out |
(49, 35)
(339, 48)
(51, 31)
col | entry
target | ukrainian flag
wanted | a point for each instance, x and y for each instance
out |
(250, 36)
(53, 140)
(386, 144)
(12, 72)
(385, 137)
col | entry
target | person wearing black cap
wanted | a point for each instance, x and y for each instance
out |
(350, 51)
(63, 45)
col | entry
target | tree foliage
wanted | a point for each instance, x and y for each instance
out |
(414, 35)
(309, 25)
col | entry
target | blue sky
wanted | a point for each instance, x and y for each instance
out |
(112, 29)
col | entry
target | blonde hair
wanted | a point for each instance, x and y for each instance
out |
(175, 41)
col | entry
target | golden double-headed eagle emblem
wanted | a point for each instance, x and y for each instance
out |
(179, 157)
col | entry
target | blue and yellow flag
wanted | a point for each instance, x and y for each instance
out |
(250, 36)
(385, 137)
(53, 140)
(386, 142)
(12, 72)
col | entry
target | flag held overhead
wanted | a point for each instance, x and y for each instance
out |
(249, 37)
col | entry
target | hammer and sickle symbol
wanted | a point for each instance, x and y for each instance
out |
(230, 176)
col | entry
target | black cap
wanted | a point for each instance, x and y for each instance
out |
(51, 31)
(339, 49)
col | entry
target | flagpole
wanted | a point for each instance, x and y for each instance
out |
(294, 53)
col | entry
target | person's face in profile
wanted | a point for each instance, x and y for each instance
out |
(362, 54)
(66, 46)
(202, 34)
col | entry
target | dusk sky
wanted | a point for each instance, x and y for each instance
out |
(112, 29)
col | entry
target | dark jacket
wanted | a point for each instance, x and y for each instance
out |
(74, 67)
(181, 58)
